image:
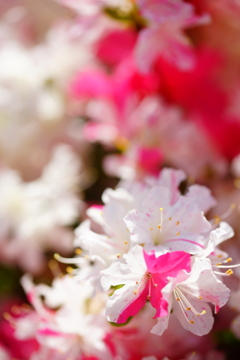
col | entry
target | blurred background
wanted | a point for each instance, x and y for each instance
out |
(96, 94)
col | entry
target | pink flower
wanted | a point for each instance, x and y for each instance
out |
(165, 34)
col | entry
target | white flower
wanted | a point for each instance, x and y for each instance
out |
(188, 296)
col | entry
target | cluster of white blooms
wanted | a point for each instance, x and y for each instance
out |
(34, 215)
(151, 248)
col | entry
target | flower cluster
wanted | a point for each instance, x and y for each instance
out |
(119, 179)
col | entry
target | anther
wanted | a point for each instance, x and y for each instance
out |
(16, 309)
(200, 297)
(178, 222)
(159, 227)
(177, 233)
(229, 272)
(135, 292)
(191, 322)
(56, 256)
(170, 218)
(125, 242)
(52, 264)
(78, 251)
(137, 282)
(188, 308)
(69, 270)
(219, 256)
(217, 219)
(151, 229)
(228, 260)
(7, 316)
(118, 256)
(177, 299)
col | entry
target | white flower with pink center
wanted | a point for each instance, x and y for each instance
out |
(143, 276)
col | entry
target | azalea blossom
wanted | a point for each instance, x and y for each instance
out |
(75, 330)
(165, 34)
(188, 296)
(143, 277)
(115, 236)
(164, 226)
(38, 212)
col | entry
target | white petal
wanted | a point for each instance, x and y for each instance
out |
(202, 282)
(161, 325)
(201, 196)
(118, 274)
(135, 260)
(119, 301)
(202, 324)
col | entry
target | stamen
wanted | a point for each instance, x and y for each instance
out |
(54, 267)
(66, 260)
(16, 309)
(181, 306)
(228, 260)
(177, 233)
(219, 265)
(229, 211)
(149, 288)
(237, 183)
(190, 307)
(178, 222)
(125, 242)
(155, 285)
(7, 316)
(220, 273)
(229, 272)
(161, 219)
(69, 270)
(78, 251)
